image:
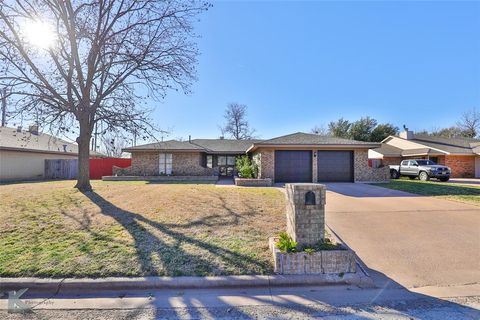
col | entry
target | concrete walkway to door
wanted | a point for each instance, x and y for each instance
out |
(416, 241)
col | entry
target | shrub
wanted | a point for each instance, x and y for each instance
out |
(309, 250)
(285, 243)
(327, 244)
(246, 168)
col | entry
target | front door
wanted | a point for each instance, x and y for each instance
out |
(226, 165)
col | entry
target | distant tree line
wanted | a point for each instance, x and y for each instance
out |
(364, 129)
(468, 126)
(368, 129)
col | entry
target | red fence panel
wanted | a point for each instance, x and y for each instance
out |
(100, 167)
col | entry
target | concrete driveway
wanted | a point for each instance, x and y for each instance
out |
(412, 240)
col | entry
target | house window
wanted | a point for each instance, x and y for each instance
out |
(209, 161)
(165, 164)
(230, 160)
(222, 160)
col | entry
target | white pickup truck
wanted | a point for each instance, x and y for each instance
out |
(423, 169)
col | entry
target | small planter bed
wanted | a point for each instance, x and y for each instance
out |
(252, 182)
(326, 257)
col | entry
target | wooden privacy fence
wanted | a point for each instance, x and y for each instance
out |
(61, 169)
(68, 168)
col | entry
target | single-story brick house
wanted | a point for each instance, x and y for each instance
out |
(298, 157)
(462, 155)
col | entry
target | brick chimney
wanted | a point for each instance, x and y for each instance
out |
(33, 129)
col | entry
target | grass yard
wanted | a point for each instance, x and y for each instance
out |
(451, 191)
(49, 229)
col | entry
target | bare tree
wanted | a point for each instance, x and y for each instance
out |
(320, 130)
(237, 125)
(113, 142)
(469, 123)
(95, 60)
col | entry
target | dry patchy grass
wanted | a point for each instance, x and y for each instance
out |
(136, 229)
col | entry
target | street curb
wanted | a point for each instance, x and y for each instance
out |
(70, 284)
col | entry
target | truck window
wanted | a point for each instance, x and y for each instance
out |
(404, 163)
(425, 162)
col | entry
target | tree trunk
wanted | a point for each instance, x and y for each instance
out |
(83, 180)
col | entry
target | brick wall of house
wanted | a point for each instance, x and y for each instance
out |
(265, 160)
(462, 166)
(441, 160)
(364, 173)
(391, 161)
(145, 164)
(183, 164)
(189, 164)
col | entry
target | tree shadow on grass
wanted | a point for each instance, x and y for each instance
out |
(161, 250)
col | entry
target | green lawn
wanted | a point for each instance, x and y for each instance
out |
(49, 229)
(451, 191)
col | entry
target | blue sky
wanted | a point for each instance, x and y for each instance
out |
(300, 64)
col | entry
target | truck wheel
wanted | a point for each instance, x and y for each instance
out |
(423, 176)
(394, 174)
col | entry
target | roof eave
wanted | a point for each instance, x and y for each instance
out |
(388, 138)
(40, 151)
(130, 150)
(315, 146)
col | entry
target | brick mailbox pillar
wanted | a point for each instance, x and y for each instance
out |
(306, 212)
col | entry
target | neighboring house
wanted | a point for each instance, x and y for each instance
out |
(298, 157)
(23, 153)
(462, 155)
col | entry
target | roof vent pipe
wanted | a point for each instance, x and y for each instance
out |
(33, 129)
(189, 138)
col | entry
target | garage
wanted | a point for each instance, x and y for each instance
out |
(293, 166)
(335, 166)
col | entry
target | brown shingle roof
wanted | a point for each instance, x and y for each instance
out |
(301, 138)
(11, 138)
(241, 146)
(167, 145)
(198, 145)
(450, 145)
